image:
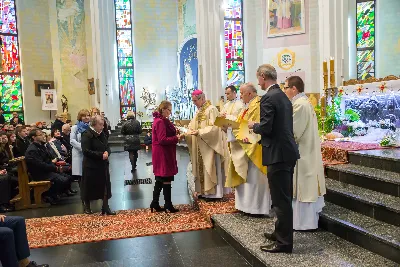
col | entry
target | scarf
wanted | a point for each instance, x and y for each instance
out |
(167, 122)
(82, 126)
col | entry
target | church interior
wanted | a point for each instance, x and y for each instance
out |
(123, 57)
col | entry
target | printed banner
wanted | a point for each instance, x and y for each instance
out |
(49, 99)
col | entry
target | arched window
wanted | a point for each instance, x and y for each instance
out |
(365, 39)
(234, 42)
(10, 79)
(125, 56)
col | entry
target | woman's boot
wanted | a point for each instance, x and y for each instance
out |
(105, 210)
(86, 207)
(156, 196)
(167, 197)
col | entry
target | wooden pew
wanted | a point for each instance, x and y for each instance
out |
(23, 199)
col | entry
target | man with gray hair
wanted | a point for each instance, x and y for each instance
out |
(279, 154)
(246, 172)
(208, 149)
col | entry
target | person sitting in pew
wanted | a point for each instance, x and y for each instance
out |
(22, 142)
(14, 247)
(8, 176)
(42, 167)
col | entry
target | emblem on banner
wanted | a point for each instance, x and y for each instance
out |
(286, 59)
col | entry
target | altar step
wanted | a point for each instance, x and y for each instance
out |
(363, 201)
(319, 248)
(371, 234)
(384, 159)
(383, 181)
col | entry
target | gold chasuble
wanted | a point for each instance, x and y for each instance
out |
(241, 152)
(204, 148)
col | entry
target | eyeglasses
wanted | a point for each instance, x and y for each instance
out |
(286, 87)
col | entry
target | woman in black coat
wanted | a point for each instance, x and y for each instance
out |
(132, 130)
(95, 182)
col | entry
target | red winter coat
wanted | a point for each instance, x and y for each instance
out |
(164, 142)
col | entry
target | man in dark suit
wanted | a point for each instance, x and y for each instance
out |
(279, 154)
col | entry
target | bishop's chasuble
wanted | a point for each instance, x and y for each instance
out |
(246, 172)
(208, 153)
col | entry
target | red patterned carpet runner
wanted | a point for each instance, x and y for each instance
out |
(337, 152)
(81, 228)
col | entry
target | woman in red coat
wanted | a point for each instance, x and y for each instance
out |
(164, 140)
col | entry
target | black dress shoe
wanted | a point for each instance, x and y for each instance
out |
(273, 248)
(269, 236)
(34, 264)
(73, 191)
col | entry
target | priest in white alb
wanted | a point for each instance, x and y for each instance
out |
(308, 179)
(233, 105)
(208, 149)
(246, 172)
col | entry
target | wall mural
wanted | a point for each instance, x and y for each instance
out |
(72, 42)
(285, 17)
(181, 97)
(186, 19)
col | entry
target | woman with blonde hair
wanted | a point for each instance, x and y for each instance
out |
(132, 130)
(164, 140)
(75, 139)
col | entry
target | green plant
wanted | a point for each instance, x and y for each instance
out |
(352, 115)
(332, 116)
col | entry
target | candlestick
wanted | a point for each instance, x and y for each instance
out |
(332, 72)
(323, 105)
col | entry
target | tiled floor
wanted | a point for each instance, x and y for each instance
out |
(198, 248)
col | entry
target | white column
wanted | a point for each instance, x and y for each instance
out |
(209, 23)
(104, 58)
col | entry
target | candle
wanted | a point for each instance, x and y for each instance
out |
(332, 69)
(323, 105)
(325, 73)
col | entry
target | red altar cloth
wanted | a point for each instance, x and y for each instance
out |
(337, 152)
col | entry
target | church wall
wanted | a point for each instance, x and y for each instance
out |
(300, 46)
(387, 41)
(388, 38)
(155, 27)
(36, 54)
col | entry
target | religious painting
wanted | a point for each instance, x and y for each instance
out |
(42, 85)
(285, 17)
(91, 87)
(49, 99)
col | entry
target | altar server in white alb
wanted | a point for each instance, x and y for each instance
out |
(233, 105)
(308, 179)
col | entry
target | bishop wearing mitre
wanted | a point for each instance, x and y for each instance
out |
(208, 149)
(246, 172)
(308, 179)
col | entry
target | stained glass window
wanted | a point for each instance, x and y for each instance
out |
(365, 39)
(10, 79)
(125, 56)
(233, 36)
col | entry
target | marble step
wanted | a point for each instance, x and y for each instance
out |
(379, 206)
(384, 159)
(319, 248)
(375, 236)
(374, 179)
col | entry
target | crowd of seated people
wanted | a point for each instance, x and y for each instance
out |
(48, 155)
(47, 160)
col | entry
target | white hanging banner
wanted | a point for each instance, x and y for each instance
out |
(49, 99)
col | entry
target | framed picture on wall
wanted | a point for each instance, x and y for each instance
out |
(41, 85)
(285, 17)
(91, 87)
